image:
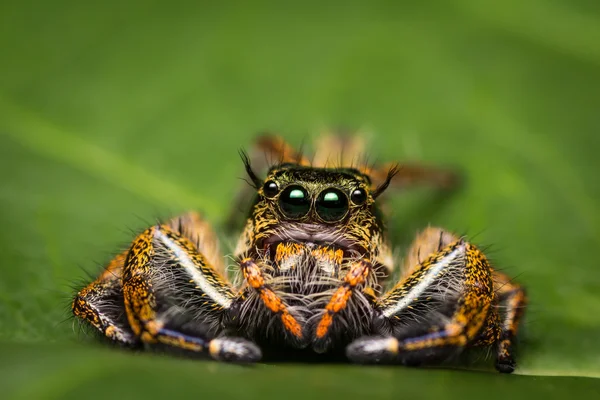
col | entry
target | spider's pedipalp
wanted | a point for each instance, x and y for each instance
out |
(256, 280)
(340, 299)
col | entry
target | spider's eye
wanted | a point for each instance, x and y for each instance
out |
(358, 196)
(294, 202)
(332, 205)
(270, 189)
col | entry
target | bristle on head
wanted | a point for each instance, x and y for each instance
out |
(390, 175)
(256, 182)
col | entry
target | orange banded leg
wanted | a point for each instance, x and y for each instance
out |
(512, 301)
(457, 278)
(255, 278)
(356, 276)
(175, 298)
(101, 304)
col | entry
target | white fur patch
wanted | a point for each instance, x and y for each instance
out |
(426, 281)
(195, 273)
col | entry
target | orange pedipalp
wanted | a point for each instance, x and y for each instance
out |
(271, 300)
(339, 300)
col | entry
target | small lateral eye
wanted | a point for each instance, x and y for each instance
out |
(270, 189)
(358, 196)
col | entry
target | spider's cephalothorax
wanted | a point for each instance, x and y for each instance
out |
(312, 272)
(317, 236)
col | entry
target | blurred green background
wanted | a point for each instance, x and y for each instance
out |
(114, 114)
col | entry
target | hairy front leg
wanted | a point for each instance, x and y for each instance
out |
(174, 297)
(434, 312)
(101, 304)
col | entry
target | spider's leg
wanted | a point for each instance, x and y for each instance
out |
(427, 242)
(409, 175)
(101, 304)
(339, 150)
(512, 301)
(277, 151)
(273, 302)
(174, 297)
(200, 232)
(354, 279)
(434, 312)
(344, 150)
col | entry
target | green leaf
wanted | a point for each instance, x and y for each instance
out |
(84, 372)
(113, 115)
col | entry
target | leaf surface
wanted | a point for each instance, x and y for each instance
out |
(114, 115)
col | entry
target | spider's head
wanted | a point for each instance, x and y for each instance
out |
(324, 206)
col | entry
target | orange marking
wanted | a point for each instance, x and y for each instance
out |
(287, 250)
(338, 302)
(336, 256)
(110, 331)
(252, 273)
(255, 279)
(139, 299)
(513, 310)
(454, 329)
(271, 300)
(370, 292)
(324, 325)
(147, 338)
(339, 299)
(358, 274)
(290, 323)
(114, 268)
(180, 342)
(153, 327)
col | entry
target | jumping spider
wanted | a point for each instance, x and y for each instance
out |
(312, 272)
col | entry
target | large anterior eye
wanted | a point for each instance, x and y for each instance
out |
(332, 205)
(294, 202)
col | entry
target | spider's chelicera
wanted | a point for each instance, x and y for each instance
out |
(312, 271)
